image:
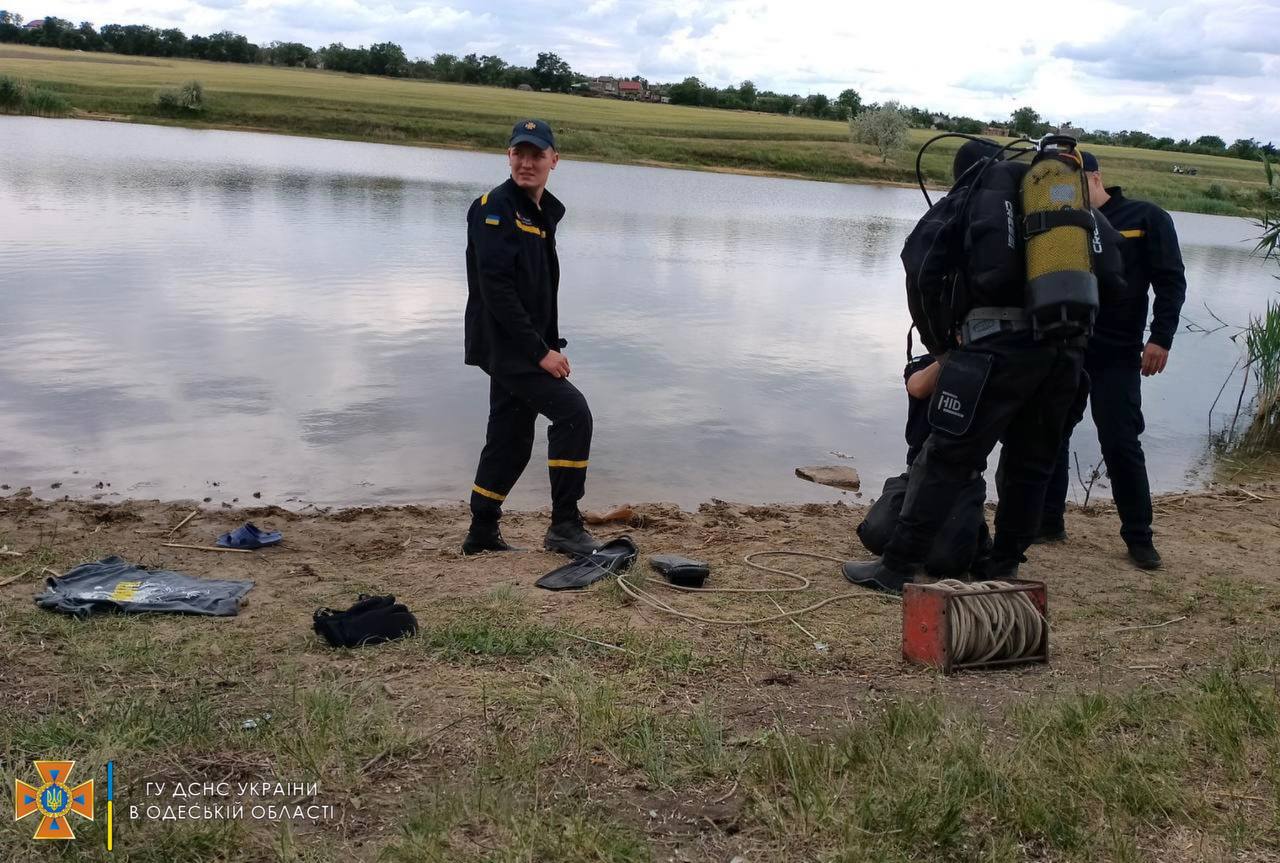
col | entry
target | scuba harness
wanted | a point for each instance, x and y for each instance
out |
(1030, 225)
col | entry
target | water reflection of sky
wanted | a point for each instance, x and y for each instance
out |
(284, 315)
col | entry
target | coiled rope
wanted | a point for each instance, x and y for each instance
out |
(998, 626)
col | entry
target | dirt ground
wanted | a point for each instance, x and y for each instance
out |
(1113, 626)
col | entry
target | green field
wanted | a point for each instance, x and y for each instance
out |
(399, 111)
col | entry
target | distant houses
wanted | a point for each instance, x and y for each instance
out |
(33, 25)
(631, 89)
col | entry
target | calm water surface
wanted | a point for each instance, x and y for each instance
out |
(284, 315)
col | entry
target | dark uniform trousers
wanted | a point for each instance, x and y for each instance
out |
(1025, 403)
(1114, 390)
(515, 400)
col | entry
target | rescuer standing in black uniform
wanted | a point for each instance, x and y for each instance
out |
(513, 279)
(1000, 384)
(1117, 360)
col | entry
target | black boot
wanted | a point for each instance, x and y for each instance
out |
(1050, 531)
(1004, 569)
(1145, 556)
(876, 575)
(485, 536)
(570, 537)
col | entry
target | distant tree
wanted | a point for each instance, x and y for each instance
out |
(815, 105)
(289, 54)
(552, 73)
(11, 18)
(387, 58)
(1025, 120)
(687, 92)
(493, 70)
(1135, 138)
(967, 125)
(1245, 148)
(445, 66)
(173, 42)
(747, 94)
(340, 58)
(1210, 144)
(1163, 144)
(775, 103)
(885, 128)
(850, 103)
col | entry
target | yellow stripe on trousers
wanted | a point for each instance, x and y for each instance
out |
(492, 495)
(564, 462)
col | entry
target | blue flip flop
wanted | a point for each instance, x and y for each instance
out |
(249, 536)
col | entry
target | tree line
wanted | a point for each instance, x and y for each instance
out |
(550, 72)
(1027, 121)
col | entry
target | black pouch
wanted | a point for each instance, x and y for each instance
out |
(372, 620)
(876, 529)
(960, 387)
(680, 571)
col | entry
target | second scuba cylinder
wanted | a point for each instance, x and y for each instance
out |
(1061, 240)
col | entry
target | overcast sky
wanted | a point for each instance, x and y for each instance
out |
(1181, 69)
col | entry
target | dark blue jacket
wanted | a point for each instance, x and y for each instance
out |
(1152, 259)
(513, 280)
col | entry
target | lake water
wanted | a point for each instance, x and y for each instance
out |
(283, 315)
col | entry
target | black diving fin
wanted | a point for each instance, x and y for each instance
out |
(615, 556)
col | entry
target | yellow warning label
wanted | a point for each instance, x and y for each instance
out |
(126, 590)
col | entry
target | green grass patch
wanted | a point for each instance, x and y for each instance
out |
(1081, 778)
(512, 828)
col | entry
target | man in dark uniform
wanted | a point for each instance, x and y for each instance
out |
(513, 279)
(1117, 360)
(1000, 384)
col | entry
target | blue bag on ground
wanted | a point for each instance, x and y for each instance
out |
(249, 536)
(114, 584)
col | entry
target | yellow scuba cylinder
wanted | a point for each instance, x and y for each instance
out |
(1061, 241)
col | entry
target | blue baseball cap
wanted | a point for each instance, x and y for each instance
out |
(1088, 161)
(536, 132)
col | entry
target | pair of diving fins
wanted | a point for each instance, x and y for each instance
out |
(616, 557)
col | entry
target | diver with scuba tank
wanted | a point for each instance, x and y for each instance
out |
(1117, 359)
(1003, 282)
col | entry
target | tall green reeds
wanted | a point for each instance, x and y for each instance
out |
(1262, 335)
(1262, 345)
(17, 97)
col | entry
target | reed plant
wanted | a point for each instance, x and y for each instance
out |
(1262, 345)
(18, 97)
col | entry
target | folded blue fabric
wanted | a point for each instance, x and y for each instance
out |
(249, 536)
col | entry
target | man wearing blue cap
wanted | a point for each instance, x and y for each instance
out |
(1118, 358)
(512, 333)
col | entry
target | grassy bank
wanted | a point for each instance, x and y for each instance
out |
(366, 108)
(521, 725)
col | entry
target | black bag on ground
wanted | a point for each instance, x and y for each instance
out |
(962, 541)
(877, 525)
(372, 620)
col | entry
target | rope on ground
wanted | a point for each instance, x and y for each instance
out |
(641, 595)
(995, 627)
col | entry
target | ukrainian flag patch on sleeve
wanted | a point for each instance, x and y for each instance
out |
(491, 220)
